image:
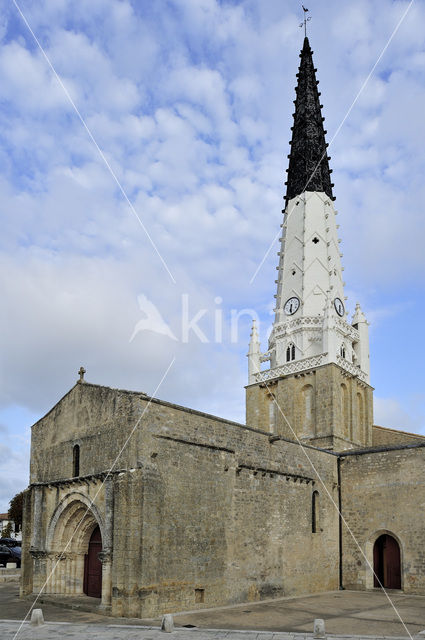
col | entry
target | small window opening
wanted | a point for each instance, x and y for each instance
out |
(315, 240)
(342, 351)
(290, 353)
(314, 511)
(76, 460)
(199, 596)
(293, 272)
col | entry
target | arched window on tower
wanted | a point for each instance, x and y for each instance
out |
(345, 412)
(272, 413)
(342, 351)
(290, 352)
(360, 419)
(76, 460)
(315, 512)
(307, 409)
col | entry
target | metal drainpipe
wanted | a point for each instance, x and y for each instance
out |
(340, 522)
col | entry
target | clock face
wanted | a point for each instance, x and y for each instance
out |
(339, 307)
(291, 306)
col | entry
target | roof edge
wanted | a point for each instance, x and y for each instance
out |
(393, 430)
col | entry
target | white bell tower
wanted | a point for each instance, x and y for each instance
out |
(311, 328)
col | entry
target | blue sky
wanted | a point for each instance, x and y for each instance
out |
(191, 103)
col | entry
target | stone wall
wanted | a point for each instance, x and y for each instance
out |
(325, 407)
(199, 512)
(384, 492)
(233, 512)
(96, 418)
(205, 511)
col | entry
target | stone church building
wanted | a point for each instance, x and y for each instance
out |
(199, 511)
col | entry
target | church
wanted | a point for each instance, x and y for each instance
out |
(153, 507)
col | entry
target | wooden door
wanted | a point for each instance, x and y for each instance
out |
(386, 562)
(93, 566)
(392, 563)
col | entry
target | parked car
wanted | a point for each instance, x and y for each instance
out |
(10, 542)
(10, 554)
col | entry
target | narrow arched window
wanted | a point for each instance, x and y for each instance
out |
(361, 431)
(272, 413)
(307, 408)
(290, 352)
(315, 512)
(342, 351)
(76, 460)
(345, 412)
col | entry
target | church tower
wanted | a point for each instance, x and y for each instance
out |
(317, 387)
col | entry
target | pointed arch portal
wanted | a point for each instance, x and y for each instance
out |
(386, 563)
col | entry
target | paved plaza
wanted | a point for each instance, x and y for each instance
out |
(347, 614)
(55, 630)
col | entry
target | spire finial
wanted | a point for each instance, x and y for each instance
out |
(306, 19)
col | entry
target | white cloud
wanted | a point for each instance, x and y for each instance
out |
(28, 82)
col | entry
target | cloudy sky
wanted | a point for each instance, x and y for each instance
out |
(190, 103)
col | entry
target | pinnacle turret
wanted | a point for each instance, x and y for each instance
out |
(254, 353)
(308, 160)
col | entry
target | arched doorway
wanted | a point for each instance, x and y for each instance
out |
(386, 562)
(93, 566)
(75, 524)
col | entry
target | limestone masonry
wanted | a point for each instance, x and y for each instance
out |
(199, 511)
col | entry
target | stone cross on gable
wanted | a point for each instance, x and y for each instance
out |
(81, 373)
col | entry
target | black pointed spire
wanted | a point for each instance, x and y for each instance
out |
(308, 160)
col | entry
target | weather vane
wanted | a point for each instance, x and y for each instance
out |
(306, 19)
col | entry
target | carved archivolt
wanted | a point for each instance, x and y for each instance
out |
(72, 523)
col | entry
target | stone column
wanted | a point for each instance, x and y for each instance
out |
(55, 568)
(48, 582)
(73, 573)
(37, 550)
(36, 542)
(79, 574)
(107, 545)
(40, 562)
(107, 542)
(106, 559)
